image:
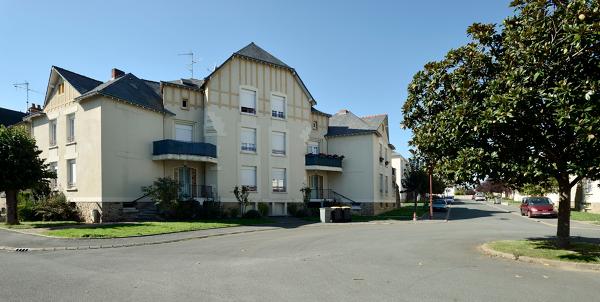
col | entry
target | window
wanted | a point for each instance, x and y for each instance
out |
(183, 132)
(386, 185)
(248, 101)
(248, 175)
(278, 143)
(588, 186)
(70, 128)
(313, 148)
(53, 167)
(52, 133)
(381, 183)
(184, 103)
(186, 178)
(315, 125)
(380, 154)
(71, 173)
(248, 137)
(278, 106)
(61, 88)
(278, 182)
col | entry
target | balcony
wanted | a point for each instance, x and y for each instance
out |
(324, 162)
(169, 149)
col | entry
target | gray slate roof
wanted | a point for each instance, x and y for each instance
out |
(253, 51)
(81, 83)
(374, 120)
(347, 123)
(131, 89)
(187, 83)
(10, 117)
(315, 110)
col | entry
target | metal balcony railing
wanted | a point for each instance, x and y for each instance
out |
(195, 191)
(323, 160)
(170, 146)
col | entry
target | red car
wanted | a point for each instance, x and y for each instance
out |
(537, 206)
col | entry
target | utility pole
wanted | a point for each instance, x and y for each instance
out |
(430, 193)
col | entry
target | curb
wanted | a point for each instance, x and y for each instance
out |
(112, 246)
(589, 267)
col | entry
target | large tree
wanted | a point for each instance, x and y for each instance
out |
(519, 103)
(20, 167)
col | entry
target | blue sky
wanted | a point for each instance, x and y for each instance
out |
(358, 55)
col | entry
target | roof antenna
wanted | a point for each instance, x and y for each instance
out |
(25, 86)
(192, 61)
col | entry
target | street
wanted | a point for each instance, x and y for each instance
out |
(384, 261)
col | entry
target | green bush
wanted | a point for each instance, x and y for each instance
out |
(26, 207)
(211, 209)
(263, 209)
(234, 212)
(292, 208)
(57, 208)
(188, 209)
(252, 214)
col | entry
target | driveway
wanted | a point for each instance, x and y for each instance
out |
(399, 261)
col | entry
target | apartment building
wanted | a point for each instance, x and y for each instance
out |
(400, 166)
(251, 122)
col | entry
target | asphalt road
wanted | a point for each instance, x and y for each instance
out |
(400, 261)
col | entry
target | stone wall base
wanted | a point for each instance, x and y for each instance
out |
(109, 211)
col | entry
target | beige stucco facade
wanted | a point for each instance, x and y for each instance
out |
(115, 153)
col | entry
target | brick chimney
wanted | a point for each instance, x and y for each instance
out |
(117, 73)
(34, 108)
(343, 111)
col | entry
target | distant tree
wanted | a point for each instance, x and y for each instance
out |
(520, 102)
(416, 179)
(241, 194)
(20, 167)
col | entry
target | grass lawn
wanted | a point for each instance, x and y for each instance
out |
(578, 252)
(119, 230)
(403, 213)
(585, 216)
(38, 224)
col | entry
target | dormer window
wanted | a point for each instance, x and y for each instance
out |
(184, 103)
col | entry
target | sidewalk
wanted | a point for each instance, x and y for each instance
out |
(21, 242)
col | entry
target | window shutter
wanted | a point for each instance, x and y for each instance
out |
(183, 132)
(248, 175)
(278, 142)
(278, 106)
(278, 181)
(247, 98)
(248, 136)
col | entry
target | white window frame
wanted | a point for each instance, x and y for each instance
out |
(52, 129)
(254, 169)
(248, 110)
(186, 124)
(248, 147)
(279, 185)
(276, 113)
(313, 148)
(71, 173)
(274, 150)
(53, 166)
(71, 128)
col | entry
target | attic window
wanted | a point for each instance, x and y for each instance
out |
(61, 88)
(315, 125)
(184, 103)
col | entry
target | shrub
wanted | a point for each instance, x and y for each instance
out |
(57, 208)
(164, 193)
(263, 209)
(292, 209)
(211, 209)
(234, 212)
(26, 207)
(252, 214)
(188, 209)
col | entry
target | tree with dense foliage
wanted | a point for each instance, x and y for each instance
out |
(164, 192)
(241, 194)
(416, 179)
(492, 186)
(520, 103)
(20, 167)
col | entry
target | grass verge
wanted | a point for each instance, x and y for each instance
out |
(585, 216)
(38, 224)
(578, 252)
(120, 230)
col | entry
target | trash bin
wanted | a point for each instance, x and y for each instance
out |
(325, 214)
(347, 213)
(95, 216)
(337, 215)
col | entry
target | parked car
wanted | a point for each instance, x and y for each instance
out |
(479, 196)
(439, 204)
(537, 206)
(449, 199)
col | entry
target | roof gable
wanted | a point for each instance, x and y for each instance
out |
(79, 82)
(346, 123)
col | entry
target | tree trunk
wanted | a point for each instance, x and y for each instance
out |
(11, 207)
(563, 229)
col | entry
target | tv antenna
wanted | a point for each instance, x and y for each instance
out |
(25, 86)
(192, 61)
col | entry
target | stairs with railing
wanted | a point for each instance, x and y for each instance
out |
(328, 197)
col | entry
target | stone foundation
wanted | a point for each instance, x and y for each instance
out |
(109, 211)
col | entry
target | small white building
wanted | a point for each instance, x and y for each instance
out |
(400, 166)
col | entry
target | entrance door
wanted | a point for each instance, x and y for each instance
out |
(186, 177)
(315, 182)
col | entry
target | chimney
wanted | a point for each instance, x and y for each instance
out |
(343, 111)
(117, 73)
(34, 108)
